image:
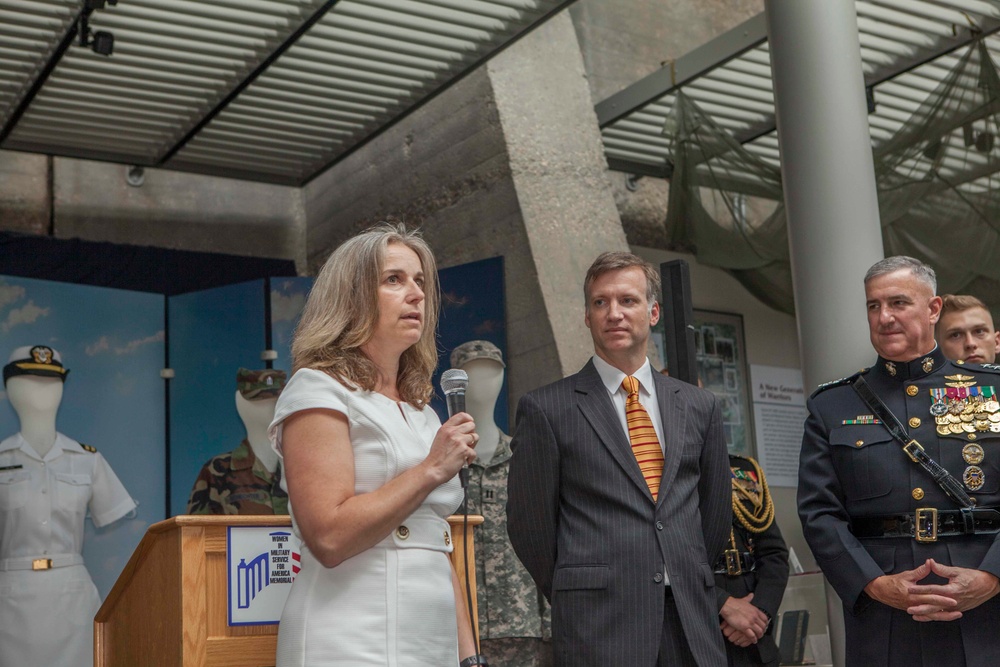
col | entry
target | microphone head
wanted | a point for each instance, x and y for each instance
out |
(454, 380)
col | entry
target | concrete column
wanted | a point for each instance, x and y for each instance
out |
(506, 162)
(829, 181)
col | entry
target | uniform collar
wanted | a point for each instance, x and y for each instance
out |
(62, 444)
(911, 370)
(243, 458)
(501, 455)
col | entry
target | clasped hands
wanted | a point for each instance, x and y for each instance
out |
(742, 623)
(965, 589)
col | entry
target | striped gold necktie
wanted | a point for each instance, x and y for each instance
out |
(642, 436)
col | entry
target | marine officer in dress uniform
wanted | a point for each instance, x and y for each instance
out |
(917, 574)
(48, 482)
(751, 576)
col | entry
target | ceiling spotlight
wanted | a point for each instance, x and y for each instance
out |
(103, 43)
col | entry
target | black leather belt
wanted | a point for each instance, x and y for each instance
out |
(927, 524)
(735, 563)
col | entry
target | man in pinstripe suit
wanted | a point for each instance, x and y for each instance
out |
(630, 578)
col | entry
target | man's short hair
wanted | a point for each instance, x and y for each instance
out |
(616, 260)
(958, 303)
(923, 272)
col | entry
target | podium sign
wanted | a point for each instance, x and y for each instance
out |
(262, 563)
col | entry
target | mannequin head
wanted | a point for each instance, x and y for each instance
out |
(256, 415)
(256, 396)
(485, 380)
(33, 395)
(33, 378)
(483, 361)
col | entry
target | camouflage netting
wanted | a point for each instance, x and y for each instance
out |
(936, 182)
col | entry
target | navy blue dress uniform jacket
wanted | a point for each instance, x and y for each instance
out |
(767, 581)
(849, 471)
(581, 518)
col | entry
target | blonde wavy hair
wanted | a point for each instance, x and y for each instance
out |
(343, 309)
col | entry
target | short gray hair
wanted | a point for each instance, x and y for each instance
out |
(922, 272)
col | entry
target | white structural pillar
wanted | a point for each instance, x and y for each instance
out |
(834, 231)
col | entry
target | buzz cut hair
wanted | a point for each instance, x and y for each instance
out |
(617, 260)
(921, 271)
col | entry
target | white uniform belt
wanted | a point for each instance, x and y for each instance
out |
(421, 530)
(40, 563)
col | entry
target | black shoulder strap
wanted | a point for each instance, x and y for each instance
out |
(913, 449)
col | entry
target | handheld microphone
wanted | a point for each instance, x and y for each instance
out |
(454, 382)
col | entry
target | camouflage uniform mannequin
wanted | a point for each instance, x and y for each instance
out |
(513, 614)
(245, 480)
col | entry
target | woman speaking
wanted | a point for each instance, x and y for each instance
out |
(369, 469)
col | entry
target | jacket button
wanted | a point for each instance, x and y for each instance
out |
(914, 422)
(402, 532)
(658, 578)
(859, 443)
(659, 525)
(918, 493)
(912, 390)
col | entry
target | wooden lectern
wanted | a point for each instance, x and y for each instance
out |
(169, 606)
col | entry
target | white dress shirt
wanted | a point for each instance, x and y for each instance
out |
(612, 378)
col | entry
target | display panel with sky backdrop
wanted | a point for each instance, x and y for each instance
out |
(112, 342)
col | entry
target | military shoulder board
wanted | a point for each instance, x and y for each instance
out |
(837, 383)
(92, 450)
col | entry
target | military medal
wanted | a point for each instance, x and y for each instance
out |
(962, 408)
(973, 454)
(974, 477)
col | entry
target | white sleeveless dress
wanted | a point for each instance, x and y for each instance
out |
(392, 605)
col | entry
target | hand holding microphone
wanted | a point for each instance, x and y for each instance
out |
(454, 382)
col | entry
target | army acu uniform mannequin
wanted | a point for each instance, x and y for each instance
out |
(754, 567)
(917, 575)
(48, 482)
(247, 479)
(513, 614)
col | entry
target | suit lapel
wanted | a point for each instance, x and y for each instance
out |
(597, 408)
(672, 421)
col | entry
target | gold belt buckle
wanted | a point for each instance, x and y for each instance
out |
(41, 564)
(733, 565)
(922, 533)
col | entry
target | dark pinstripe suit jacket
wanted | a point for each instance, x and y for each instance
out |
(582, 520)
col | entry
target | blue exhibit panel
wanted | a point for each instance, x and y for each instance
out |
(472, 308)
(212, 334)
(113, 343)
(288, 298)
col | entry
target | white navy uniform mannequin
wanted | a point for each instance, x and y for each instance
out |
(257, 415)
(47, 483)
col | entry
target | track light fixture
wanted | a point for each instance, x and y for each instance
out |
(101, 42)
